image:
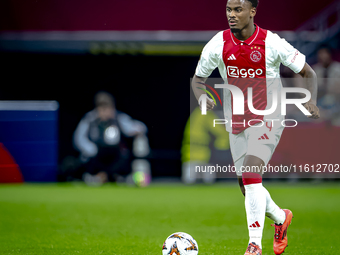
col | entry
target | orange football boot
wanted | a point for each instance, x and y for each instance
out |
(280, 237)
(253, 249)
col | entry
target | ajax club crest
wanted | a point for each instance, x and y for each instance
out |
(255, 56)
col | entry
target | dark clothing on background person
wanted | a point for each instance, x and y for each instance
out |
(102, 143)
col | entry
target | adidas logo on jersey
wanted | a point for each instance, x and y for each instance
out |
(264, 137)
(232, 57)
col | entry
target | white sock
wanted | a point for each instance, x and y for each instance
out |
(273, 212)
(255, 203)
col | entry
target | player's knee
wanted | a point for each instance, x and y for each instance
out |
(251, 178)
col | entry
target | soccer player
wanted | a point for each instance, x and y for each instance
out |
(249, 56)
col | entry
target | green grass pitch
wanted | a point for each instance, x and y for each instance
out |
(76, 219)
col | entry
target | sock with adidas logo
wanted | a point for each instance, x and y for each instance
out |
(255, 203)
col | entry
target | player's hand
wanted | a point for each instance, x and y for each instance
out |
(313, 109)
(210, 103)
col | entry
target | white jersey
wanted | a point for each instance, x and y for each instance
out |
(258, 59)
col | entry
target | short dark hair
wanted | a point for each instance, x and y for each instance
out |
(254, 3)
(104, 99)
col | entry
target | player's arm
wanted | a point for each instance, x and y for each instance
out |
(209, 60)
(81, 141)
(129, 126)
(197, 86)
(310, 80)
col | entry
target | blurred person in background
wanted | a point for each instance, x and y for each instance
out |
(101, 138)
(328, 72)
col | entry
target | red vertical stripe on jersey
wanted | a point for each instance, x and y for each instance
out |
(247, 70)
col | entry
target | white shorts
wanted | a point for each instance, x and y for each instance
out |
(259, 141)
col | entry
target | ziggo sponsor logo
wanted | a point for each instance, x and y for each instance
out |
(235, 72)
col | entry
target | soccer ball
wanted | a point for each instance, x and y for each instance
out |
(180, 244)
